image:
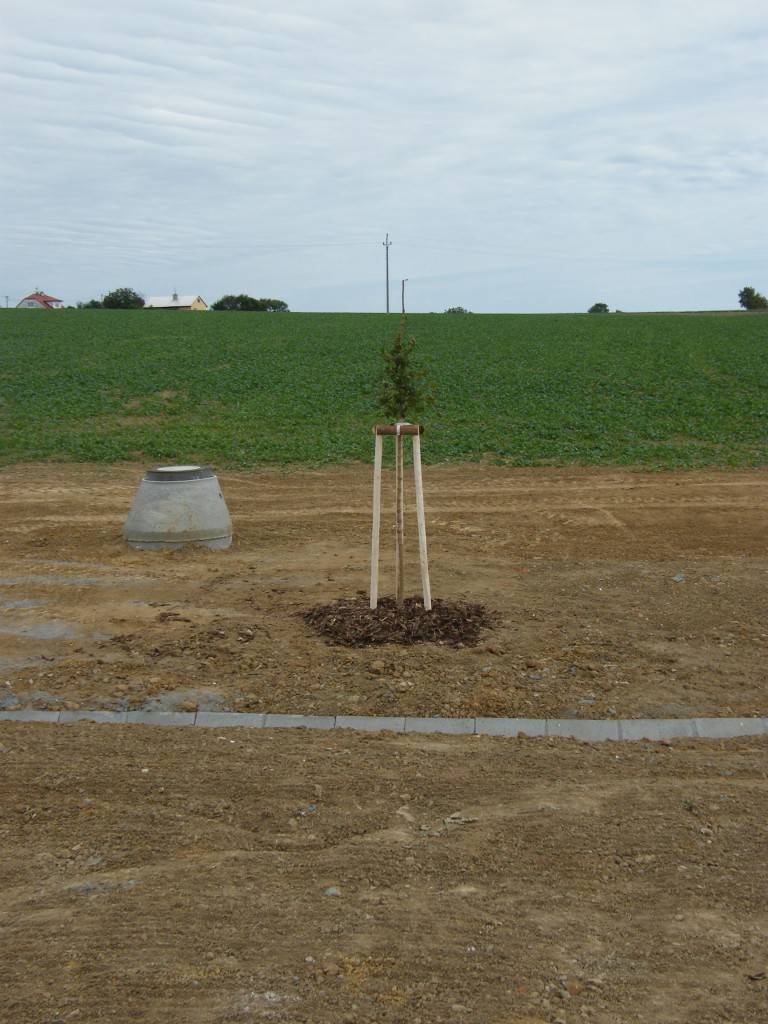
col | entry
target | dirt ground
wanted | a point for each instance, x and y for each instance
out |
(170, 875)
(618, 594)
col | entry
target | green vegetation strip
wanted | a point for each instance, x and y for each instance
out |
(237, 390)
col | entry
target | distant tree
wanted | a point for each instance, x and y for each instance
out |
(123, 298)
(599, 307)
(90, 304)
(458, 309)
(750, 299)
(247, 304)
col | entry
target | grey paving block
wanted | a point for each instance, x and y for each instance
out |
(299, 721)
(105, 717)
(510, 726)
(655, 728)
(454, 726)
(584, 728)
(723, 728)
(226, 719)
(370, 723)
(29, 715)
(176, 718)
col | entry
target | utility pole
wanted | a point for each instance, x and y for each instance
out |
(402, 292)
(386, 245)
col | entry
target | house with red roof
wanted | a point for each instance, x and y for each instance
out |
(39, 300)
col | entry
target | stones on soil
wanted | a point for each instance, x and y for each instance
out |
(350, 622)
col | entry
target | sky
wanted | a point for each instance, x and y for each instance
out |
(521, 156)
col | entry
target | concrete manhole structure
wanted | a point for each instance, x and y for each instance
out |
(177, 505)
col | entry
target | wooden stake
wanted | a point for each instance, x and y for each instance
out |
(398, 431)
(400, 533)
(423, 562)
(376, 521)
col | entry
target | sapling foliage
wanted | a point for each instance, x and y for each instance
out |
(404, 393)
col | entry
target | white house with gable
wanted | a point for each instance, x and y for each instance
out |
(175, 301)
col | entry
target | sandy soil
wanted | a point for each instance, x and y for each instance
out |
(618, 594)
(167, 875)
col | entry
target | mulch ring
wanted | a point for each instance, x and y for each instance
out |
(350, 622)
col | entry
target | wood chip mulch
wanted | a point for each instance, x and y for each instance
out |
(350, 622)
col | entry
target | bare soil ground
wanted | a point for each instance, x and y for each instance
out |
(169, 875)
(618, 594)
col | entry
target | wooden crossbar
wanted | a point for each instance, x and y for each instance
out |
(398, 429)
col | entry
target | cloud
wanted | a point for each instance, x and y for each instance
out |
(268, 148)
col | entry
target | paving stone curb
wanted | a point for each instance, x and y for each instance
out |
(594, 730)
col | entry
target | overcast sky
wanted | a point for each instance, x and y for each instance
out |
(522, 155)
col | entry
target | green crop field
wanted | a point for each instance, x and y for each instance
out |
(236, 390)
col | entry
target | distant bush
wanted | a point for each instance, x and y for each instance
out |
(599, 307)
(750, 299)
(457, 309)
(123, 298)
(247, 304)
